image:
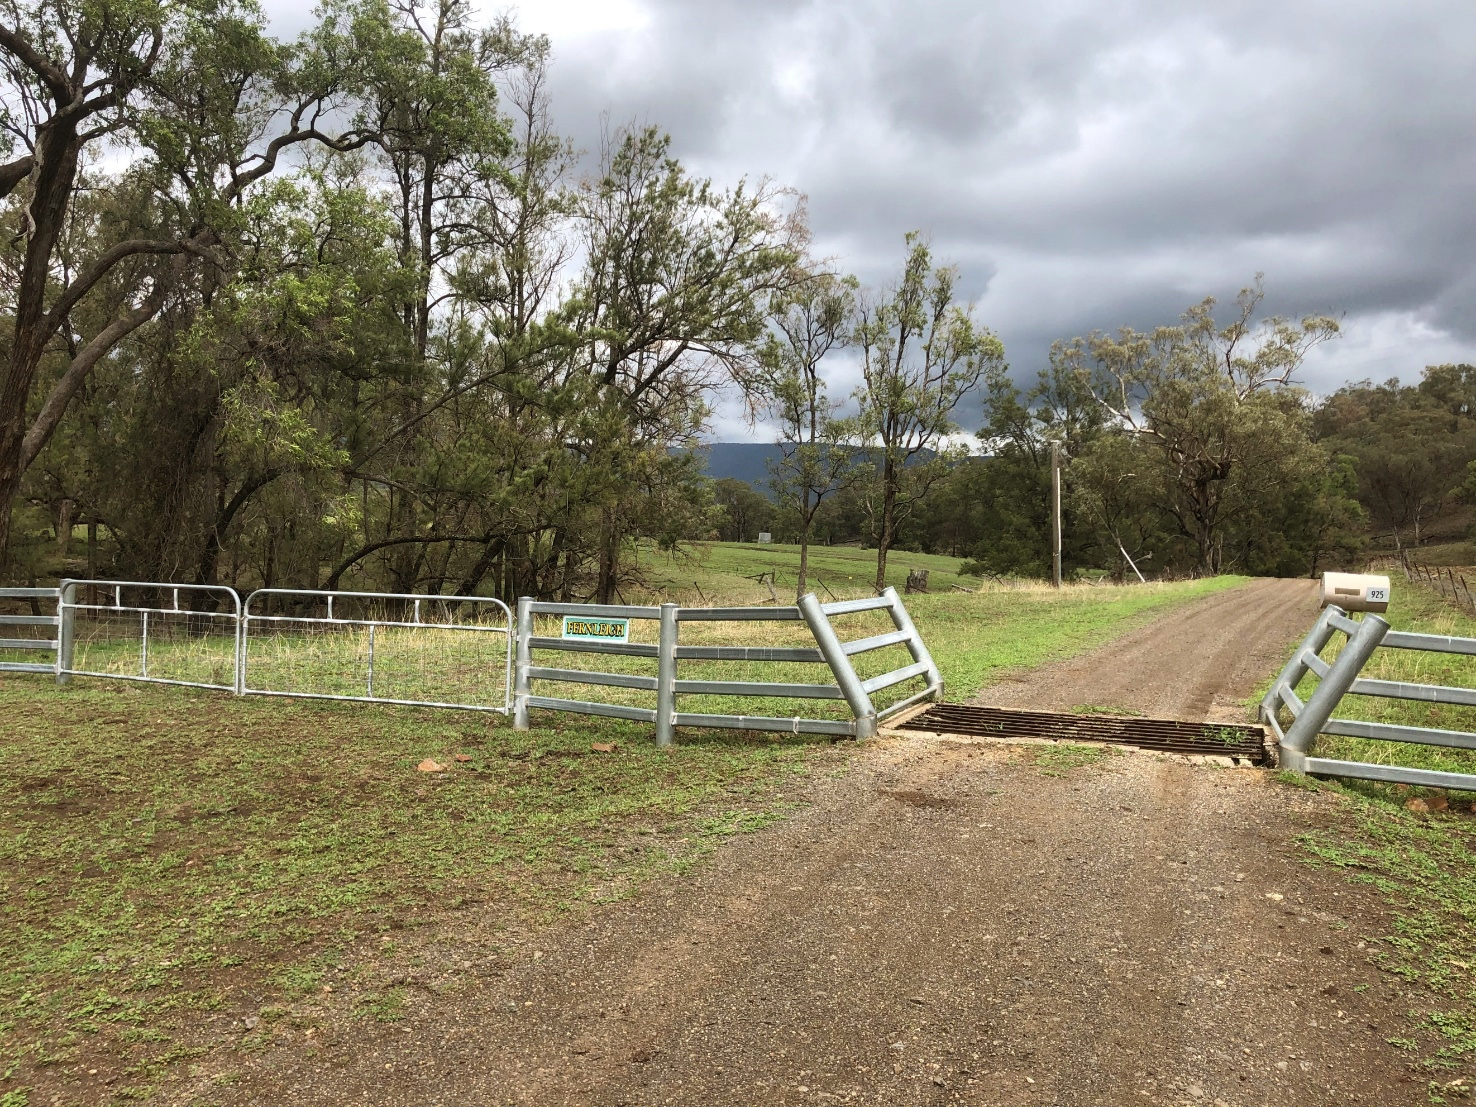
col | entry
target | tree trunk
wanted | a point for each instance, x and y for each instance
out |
(12, 433)
(807, 517)
(605, 583)
(63, 527)
(888, 521)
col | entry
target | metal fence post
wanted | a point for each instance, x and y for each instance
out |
(66, 595)
(915, 645)
(666, 666)
(238, 683)
(1295, 668)
(1323, 702)
(523, 662)
(835, 656)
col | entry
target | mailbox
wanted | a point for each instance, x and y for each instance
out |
(1355, 591)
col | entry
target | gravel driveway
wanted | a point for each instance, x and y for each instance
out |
(944, 922)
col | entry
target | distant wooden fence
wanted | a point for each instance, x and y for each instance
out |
(1450, 584)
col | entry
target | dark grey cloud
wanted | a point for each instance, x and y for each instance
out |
(1086, 163)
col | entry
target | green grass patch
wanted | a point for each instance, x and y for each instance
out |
(1105, 709)
(168, 854)
(1059, 759)
(1424, 869)
(162, 849)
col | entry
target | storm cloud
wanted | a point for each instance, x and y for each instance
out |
(1086, 163)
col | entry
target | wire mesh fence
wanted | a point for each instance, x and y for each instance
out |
(159, 633)
(439, 651)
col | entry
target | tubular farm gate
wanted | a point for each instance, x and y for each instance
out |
(669, 652)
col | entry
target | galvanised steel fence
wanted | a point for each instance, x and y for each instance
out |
(186, 634)
(452, 651)
(668, 652)
(377, 647)
(26, 633)
(1340, 678)
(415, 649)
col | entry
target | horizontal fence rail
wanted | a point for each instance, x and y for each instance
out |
(668, 651)
(1340, 678)
(24, 636)
(411, 649)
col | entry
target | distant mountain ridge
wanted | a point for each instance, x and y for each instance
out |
(748, 461)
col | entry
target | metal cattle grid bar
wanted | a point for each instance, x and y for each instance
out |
(419, 605)
(68, 607)
(1163, 735)
(49, 644)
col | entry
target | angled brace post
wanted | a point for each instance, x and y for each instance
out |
(915, 645)
(835, 656)
(1296, 667)
(1340, 677)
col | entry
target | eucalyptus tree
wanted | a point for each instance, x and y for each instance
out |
(1011, 485)
(678, 274)
(921, 353)
(816, 443)
(1205, 396)
(204, 104)
(1411, 444)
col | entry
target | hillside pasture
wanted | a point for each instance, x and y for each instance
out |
(728, 572)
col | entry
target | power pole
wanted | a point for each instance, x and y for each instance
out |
(1056, 514)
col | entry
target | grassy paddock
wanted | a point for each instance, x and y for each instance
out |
(722, 571)
(168, 855)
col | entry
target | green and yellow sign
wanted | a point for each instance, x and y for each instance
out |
(588, 629)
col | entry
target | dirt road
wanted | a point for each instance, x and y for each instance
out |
(944, 923)
(1198, 662)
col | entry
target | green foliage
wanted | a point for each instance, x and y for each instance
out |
(744, 513)
(1214, 404)
(1412, 446)
(416, 359)
(816, 461)
(921, 353)
(1012, 486)
(1187, 451)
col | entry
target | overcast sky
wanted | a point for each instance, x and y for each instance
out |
(1085, 163)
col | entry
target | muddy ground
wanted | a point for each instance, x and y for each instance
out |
(943, 922)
